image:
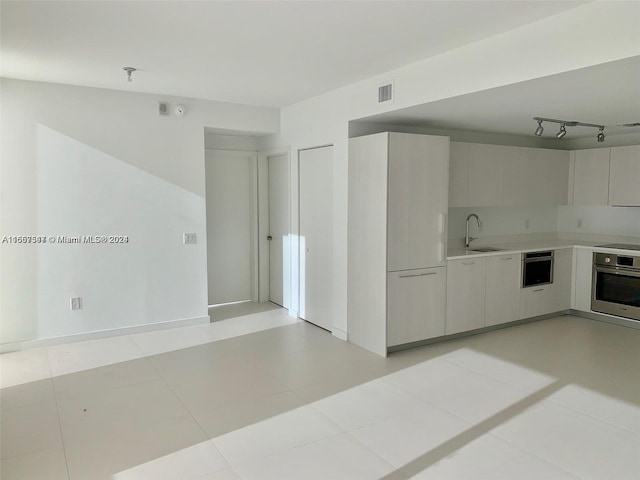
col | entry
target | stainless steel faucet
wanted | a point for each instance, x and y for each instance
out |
(467, 238)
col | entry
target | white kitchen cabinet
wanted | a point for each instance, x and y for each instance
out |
(582, 279)
(415, 309)
(624, 178)
(466, 287)
(398, 195)
(535, 177)
(555, 297)
(503, 288)
(591, 176)
(562, 276)
(500, 175)
(485, 175)
(458, 174)
(417, 196)
(535, 301)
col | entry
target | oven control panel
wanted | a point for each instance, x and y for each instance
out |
(611, 259)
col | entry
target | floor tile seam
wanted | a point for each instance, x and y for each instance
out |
(429, 403)
(64, 447)
(180, 402)
(536, 455)
(40, 402)
(324, 416)
(93, 367)
(594, 417)
(373, 452)
(207, 342)
(504, 382)
(279, 452)
(102, 390)
(117, 387)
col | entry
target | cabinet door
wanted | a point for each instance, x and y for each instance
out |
(536, 301)
(417, 201)
(535, 177)
(591, 176)
(485, 175)
(624, 179)
(503, 289)
(458, 174)
(582, 280)
(466, 281)
(562, 274)
(416, 305)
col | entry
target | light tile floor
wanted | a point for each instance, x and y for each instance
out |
(266, 397)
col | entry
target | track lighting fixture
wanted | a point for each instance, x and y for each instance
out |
(563, 127)
(562, 132)
(540, 129)
(129, 71)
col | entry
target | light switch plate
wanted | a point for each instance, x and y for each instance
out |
(189, 238)
(75, 303)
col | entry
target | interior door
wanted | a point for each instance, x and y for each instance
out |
(278, 228)
(230, 197)
(316, 235)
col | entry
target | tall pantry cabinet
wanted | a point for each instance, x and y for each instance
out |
(397, 236)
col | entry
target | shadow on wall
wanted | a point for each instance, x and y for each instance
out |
(143, 274)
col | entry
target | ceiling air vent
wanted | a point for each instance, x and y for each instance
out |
(385, 93)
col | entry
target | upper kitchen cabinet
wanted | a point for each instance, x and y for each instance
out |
(591, 176)
(535, 177)
(458, 174)
(624, 178)
(485, 174)
(499, 175)
(418, 169)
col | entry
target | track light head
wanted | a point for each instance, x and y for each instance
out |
(601, 135)
(562, 132)
(540, 129)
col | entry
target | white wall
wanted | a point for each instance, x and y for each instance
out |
(614, 221)
(592, 34)
(502, 221)
(84, 161)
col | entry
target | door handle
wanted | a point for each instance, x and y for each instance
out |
(417, 274)
(269, 237)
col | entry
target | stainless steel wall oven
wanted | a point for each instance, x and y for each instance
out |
(616, 285)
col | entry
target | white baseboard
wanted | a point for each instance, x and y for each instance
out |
(114, 332)
(338, 333)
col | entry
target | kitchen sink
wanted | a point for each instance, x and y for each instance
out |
(485, 249)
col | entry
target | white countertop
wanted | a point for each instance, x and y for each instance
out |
(533, 246)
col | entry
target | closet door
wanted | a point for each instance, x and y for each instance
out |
(316, 235)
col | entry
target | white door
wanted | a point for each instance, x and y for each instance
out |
(230, 197)
(278, 229)
(316, 235)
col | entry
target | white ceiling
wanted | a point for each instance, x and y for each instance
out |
(260, 53)
(606, 94)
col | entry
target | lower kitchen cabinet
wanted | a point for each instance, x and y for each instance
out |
(562, 276)
(466, 287)
(503, 289)
(583, 277)
(415, 305)
(538, 300)
(555, 297)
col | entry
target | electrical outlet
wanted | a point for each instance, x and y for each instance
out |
(579, 222)
(76, 303)
(189, 238)
(527, 223)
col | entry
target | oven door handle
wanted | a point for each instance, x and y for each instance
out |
(538, 259)
(618, 271)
